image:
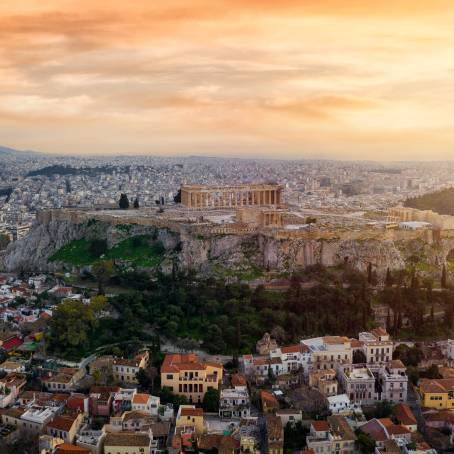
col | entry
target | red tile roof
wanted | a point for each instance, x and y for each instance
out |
(12, 344)
(174, 363)
(404, 415)
(320, 426)
(63, 423)
(191, 412)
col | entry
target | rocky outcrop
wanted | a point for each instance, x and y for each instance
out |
(208, 254)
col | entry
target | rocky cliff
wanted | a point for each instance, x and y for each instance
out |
(209, 254)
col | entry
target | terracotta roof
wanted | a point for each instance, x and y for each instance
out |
(137, 414)
(442, 385)
(129, 439)
(268, 399)
(140, 398)
(191, 411)
(320, 426)
(66, 448)
(160, 429)
(355, 343)
(238, 380)
(126, 362)
(380, 331)
(291, 348)
(375, 430)
(397, 364)
(397, 430)
(177, 362)
(274, 427)
(446, 416)
(404, 415)
(222, 443)
(341, 426)
(334, 340)
(12, 412)
(63, 423)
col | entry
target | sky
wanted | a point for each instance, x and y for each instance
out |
(343, 79)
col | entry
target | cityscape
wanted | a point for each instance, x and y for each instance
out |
(226, 227)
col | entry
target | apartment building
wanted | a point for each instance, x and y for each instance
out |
(377, 347)
(325, 381)
(187, 375)
(393, 382)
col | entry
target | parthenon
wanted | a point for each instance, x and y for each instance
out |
(219, 197)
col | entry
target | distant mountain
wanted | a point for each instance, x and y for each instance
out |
(12, 151)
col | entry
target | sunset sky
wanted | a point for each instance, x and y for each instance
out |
(344, 79)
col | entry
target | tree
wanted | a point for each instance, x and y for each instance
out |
(123, 203)
(295, 436)
(388, 279)
(359, 357)
(98, 247)
(136, 203)
(71, 326)
(444, 283)
(98, 303)
(102, 270)
(211, 400)
(177, 198)
(365, 442)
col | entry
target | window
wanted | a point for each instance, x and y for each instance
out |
(169, 376)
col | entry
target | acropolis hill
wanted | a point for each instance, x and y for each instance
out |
(236, 228)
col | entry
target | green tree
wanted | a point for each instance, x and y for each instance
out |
(359, 357)
(103, 271)
(98, 247)
(211, 400)
(71, 326)
(295, 436)
(136, 203)
(123, 203)
(365, 442)
(98, 303)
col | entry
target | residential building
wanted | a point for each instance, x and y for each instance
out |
(405, 417)
(146, 402)
(325, 381)
(330, 351)
(287, 415)
(377, 347)
(65, 427)
(126, 370)
(384, 429)
(275, 434)
(340, 404)
(234, 403)
(190, 419)
(269, 402)
(128, 443)
(359, 384)
(334, 435)
(187, 375)
(437, 393)
(393, 382)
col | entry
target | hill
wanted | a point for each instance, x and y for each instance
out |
(6, 151)
(442, 202)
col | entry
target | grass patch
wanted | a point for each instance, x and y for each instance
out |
(137, 250)
(77, 252)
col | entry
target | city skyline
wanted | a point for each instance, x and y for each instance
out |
(333, 79)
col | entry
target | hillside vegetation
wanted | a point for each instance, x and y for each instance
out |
(441, 202)
(139, 250)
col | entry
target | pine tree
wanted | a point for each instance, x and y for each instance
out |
(136, 203)
(369, 273)
(388, 279)
(123, 203)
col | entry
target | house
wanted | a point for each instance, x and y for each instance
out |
(186, 375)
(340, 404)
(384, 429)
(249, 433)
(190, 419)
(293, 358)
(325, 381)
(405, 417)
(136, 420)
(12, 366)
(274, 434)
(128, 443)
(146, 402)
(437, 393)
(269, 402)
(234, 402)
(443, 419)
(101, 399)
(377, 347)
(289, 415)
(126, 370)
(333, 435)
(225, 444)
(65, 427)
(66, 448)
(10, 387)
(66, 380)
(393, 382)
(266, 344)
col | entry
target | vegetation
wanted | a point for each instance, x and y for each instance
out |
(4, 241)
(140, 250)
(295, 437)
(441, 202)
(211, 400)
(123, 203)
